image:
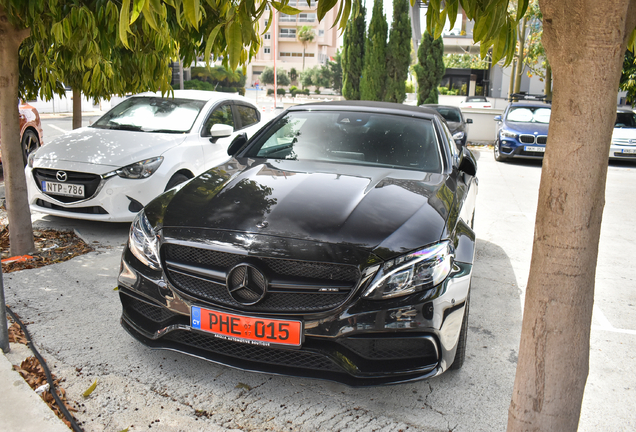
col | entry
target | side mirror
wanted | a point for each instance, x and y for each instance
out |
(237, 144)
(469, 121)
(467, 162)
(220, 131)
(497, 118)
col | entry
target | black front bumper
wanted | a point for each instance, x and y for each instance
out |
(361, 343)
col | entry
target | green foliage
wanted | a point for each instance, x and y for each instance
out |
(335, 67)
(628, 76)
(219, 79)
(464, 61)
(398, 53)
(372, 84)
(319, 76)
(305, 35)
(353, 56)
(282, 79)
(409, 87)
(281, 92)
(293, 74)
(430, 68)
(535, 58)
(270, 92)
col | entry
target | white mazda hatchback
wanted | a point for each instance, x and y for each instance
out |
(142, 147)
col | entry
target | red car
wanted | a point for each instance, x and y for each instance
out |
(30, 130)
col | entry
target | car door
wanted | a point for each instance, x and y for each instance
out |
(215, 150)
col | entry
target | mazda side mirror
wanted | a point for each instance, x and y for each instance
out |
(220, 131)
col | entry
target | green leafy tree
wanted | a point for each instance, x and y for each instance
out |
(628, 77)
(293, 75)
(464, 61)
(335, 67)
(282, 79)
(430, 68)
(306, 78)
(372, 84)
(353, 55)
(305, 35)
(398, 53)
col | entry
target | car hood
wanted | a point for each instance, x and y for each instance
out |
(382, 210)
(104, 147)
(624, 133)
(528, 128)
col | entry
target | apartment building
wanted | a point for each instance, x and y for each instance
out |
(281, 41)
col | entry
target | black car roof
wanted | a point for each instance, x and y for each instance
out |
(381, 107)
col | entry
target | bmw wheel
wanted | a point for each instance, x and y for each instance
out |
(498, 156)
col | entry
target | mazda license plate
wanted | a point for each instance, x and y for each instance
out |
(535, 149)
(247, 329)
(65, 189)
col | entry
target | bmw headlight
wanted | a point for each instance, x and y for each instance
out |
(412, 272)
(143, 241)
(458, 135)
(139, 170)
(508, 134)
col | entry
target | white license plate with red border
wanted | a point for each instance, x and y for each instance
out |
(64, 189)
(247, 329)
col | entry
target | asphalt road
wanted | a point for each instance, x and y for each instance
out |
(74, 318)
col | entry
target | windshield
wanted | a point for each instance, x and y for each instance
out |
(152, 114)
(476, 99)
(352, 138)
(625, 120)
(450, 114)
(529, 115)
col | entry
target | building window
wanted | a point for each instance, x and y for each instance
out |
(266, 22)
(267, 36)
(266, 50)
(309, 54)
(307, 17)
(287, 18)
(303, 3)
(288, 33)
(321, 33)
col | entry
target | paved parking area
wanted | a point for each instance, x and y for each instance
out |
(74, 314)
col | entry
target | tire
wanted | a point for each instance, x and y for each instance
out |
(460, 354)
(176, 180)
(498, 156)
(30, 143)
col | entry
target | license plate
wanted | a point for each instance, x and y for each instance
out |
(631, 150)
(65, 189)
(247, 329)
(535, 149)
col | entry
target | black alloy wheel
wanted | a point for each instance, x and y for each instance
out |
(30, 143)
(498, 156)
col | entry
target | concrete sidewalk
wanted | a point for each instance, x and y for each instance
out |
(21, 409)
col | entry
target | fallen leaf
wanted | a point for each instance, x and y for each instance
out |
(90, 390)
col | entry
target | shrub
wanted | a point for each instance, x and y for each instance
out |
(443, 90)
(270, 92)
(317, 91)
(281, 91)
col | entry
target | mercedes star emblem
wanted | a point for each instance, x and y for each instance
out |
(246, 284)
(61, 176)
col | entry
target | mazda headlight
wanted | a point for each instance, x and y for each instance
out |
(508, 134)
(416, 271)
(458, 135)
(139, 170)
(31, 159)
(143, 241)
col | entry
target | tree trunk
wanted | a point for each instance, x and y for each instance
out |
(585, 42)
(548, 83)
(20, 228)
(513, 74)
(520, 55)
(77, 108)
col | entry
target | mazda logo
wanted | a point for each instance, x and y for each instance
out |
(61, 176)
(246, 284)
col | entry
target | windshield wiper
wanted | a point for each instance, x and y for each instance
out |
(129, 127)
(165, 131)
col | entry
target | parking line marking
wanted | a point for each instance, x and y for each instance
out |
(605, 324)
(58, 128)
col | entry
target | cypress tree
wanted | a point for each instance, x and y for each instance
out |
(398, 56)
(430, 68)
(353, 55)
(373, 80)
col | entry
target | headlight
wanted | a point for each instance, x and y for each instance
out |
(143, 241)
(458, 135)
(413, 272)
(138, 170)
(31, 159)
(507, 134)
